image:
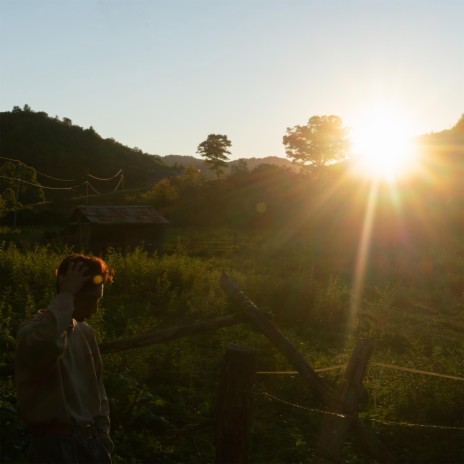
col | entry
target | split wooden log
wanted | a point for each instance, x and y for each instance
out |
(172, 334)
(344, 406)
(158, 337)
(367, 438)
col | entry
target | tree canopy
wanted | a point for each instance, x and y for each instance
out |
(60, 149)
(321, 142)
(215, 150)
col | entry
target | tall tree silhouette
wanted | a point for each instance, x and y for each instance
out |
(322, 141)
(215, 150)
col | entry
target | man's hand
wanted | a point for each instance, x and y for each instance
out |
(74, 278)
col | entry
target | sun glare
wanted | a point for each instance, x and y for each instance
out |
(382, 144)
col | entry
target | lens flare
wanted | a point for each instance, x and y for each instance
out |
(97, 279)
(382, 144)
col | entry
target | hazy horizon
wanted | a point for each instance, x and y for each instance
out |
(161, 76)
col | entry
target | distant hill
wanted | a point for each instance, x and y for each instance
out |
(251, 163)
(59, 149)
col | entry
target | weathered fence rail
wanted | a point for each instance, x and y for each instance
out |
(344, 401)
(366, 437)
(344, 404)
(167, 335)
(160, 336)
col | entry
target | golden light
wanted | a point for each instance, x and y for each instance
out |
(382, 144)
(97, 279)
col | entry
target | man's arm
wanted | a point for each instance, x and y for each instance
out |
(41, 340)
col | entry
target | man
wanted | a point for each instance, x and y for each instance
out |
(61, 396)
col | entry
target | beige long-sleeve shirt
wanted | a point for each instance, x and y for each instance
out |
(59, 370)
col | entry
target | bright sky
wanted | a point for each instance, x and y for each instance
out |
(163, 74)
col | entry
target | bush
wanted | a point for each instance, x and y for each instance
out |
(163, 396)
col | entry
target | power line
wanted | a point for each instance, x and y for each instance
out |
(63, 180)
(56, 178)
(37, 171)
(40, 185)
(92, 187)
(74, 187)
(121, 182)
(109, 178)
(87, 184)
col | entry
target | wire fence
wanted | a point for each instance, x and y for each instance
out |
(380, 421)
(388, 366)
(365, 417)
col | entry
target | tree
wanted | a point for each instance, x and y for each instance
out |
(215, 150)
(239, 167)
(321, 142)
(20, 183)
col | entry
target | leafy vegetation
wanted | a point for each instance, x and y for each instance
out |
(57, 148)
(297, 240)
(163, 397)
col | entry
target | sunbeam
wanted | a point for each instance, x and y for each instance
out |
(363, 254)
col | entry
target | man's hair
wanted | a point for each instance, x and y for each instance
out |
(97, 267)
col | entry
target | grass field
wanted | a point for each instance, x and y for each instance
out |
(163, 397)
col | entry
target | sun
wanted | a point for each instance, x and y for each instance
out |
(382, 144)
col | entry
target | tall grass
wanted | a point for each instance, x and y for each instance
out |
(163, 396)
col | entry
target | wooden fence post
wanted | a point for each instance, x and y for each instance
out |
(344, 405)
(234, 406)
(367, 438)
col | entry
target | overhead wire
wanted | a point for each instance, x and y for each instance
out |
(109, 178)
(39, 185)
(120, 182)
(86, 183)
(21, 163)
(92, 187)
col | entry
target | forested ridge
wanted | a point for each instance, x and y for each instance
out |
(269, 195)
(60, 149)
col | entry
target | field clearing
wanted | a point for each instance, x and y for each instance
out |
(163, 396)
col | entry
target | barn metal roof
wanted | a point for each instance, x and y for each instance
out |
(121, 215)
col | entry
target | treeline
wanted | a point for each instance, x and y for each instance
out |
(330, 199)
(62, 150)
(292, 205)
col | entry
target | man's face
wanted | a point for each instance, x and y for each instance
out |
(86, 301)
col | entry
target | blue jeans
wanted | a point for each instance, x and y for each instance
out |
(67, 449)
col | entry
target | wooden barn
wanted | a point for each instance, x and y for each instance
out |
(96, 228)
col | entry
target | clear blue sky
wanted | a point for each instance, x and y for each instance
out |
(163, 74)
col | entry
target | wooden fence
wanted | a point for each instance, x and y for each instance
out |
(200, 246)
(237, 378)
